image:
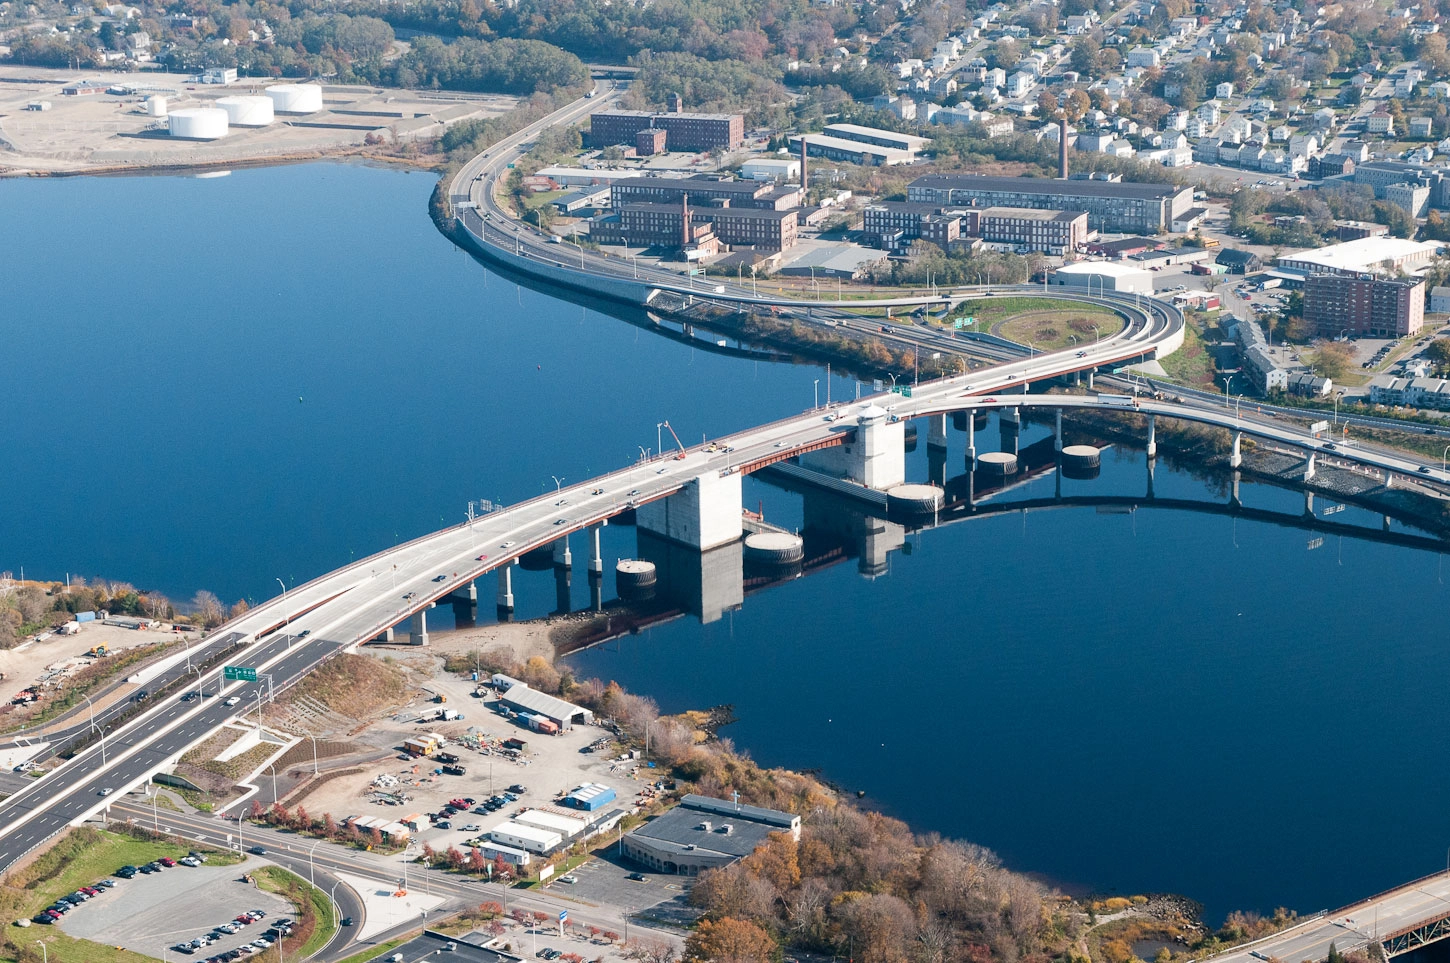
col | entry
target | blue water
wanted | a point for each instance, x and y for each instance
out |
(215, 383)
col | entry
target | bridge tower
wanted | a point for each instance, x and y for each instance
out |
(702, 514)
(875, 456)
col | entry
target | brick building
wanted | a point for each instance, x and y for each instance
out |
(651, 224)
(1110, 205)
(682, 131)
(1364, 305)
(1027, 229)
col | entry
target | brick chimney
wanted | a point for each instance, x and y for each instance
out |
(1062, 147)
(685, 222)
(805, 183)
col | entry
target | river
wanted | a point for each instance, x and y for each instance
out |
(215, 383)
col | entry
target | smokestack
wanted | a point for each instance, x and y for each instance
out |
(685, 222)
(677, 104)
(1062, 147)
(804, 182)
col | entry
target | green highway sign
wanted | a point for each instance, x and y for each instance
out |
(239, 673)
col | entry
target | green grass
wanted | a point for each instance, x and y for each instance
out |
(78, 859)
(990, 310)
(1050, 330)
(562, 869)
(532, 202)
(377, 951)
(1192, 364)
(311, 902)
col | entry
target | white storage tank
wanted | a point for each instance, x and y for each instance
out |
(247, 111)
(198, 123)
(156, 106)
(296, 98)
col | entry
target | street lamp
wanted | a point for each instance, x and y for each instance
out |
(44, 953)
(1442, 457)
(1337, 396)
(287, 617)
(558, 483)
(90, 707)
(1227, 392)
(273, 767)
(312, 869)
(1097, 334)
(817, 386)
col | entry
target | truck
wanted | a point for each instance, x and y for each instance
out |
(449, 715)
(1126, 401)
(452, 770)
(446, 757)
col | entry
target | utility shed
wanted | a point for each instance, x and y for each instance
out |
(589, 797)
(703, 833)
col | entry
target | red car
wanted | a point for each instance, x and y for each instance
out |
(167, 861)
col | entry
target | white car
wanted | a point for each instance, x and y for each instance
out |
(234, 700)
(107, 791)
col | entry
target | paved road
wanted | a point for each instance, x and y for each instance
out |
(1380, 917)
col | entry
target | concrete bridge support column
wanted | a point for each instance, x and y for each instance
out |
(418, 633)
(1011, 416)
(1237, 458)
(874, 455)
(1309, 467)
(596, 556)
(1389, 478)
(705, 512)
(1057, 432)
(563, 558)
(386, 635)
(1090, 379)
(1152, 437)
(563, 581)
(936, 430)
(971, 441)
(506, 592)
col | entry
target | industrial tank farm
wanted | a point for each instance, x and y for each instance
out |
(198, 123)
(296, 98)
(247, 111)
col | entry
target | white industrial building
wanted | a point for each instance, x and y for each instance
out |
(771, 169)
(1104, 276)
(582, 176)
(530, 838)
(568, 827)
(1366, 254)
(519, 858)
(704, 833)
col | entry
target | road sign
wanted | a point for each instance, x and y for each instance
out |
(1318, 426)
(563, 916)
(242, 673)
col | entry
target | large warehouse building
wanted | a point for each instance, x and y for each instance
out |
(1363, 256)
(518, 697)
(703, 833)
(682, 131)
(1110, 205)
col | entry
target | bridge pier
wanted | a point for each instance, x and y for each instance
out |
(936, 431)
(465, 605)
(385, 636)
(596, 556)
(875, 456)
(971, 441)
(1152, 437)
(563, 581)
(936, 465)
(563, 558)
(1090, 379)
(506, 592)
(418, 632)
(1057, 432)
(1011, 432)
(1237, 458)
(705, 512)
(1309, 467)
(1389, 479)
(596, 591)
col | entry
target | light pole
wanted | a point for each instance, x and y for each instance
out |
(817, 386)
(659, 438)
(90, 707)
(312, 869)
(1337, 396)
(240, 814)
(558, 484)
(1442, 457)
(198, 681)
(1097, 334)
(155, 818)
(273, 767)
(286, 616)
(1227, 393)
(44, 953)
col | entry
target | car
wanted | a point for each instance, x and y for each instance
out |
(167, 861)
(562, 501)
(106, 884)
(127, 872)
(44, 918)
(256, 914)
(1082, 354)
(440, 578)
(1423, 470)
(188, 861)
(569, 878)
(507, 545)
(304, 633)
(443, 824)
(90, 891)
(258, 850)
(141, 696)
(561, 521)
(472, 828)
(199, 857)
(147, 869)
(518, 788)
(637, 877)
(481, 558)
(633, 492)
(345, 921)
(189, 697)
(410, 595)
(105, 792)
(596, 491)
(234, 700)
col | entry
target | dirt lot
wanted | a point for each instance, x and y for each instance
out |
(114, 131)
(26, 663)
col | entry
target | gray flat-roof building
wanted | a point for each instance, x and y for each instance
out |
(703, 833)
(1110, 205)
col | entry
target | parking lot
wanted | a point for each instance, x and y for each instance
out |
(607, 882)
(153, 913)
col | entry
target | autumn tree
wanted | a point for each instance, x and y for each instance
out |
(729, 941)
(207, 608)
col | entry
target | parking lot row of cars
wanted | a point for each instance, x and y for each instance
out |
(279, 929)
(65, 904)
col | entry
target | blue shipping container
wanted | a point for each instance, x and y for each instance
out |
(85, 616)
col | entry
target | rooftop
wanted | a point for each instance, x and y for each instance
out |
(1032, 213)
(1113, 269)
(714, 825)
(1042, 185)
(661, 113)
(915, 142)
(1363, 254)
(895, 154)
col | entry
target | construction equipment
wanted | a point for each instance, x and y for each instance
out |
(681, 455)
(99, 652)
